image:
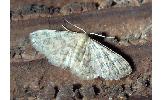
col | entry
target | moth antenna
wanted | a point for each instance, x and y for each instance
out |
(75, 26)
(110, 37)
(65, 28)
(97, 35)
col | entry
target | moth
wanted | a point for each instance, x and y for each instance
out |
(77, 52)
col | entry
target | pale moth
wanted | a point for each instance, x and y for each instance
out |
(82, 55)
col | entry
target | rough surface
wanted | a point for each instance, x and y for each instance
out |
(33, 78)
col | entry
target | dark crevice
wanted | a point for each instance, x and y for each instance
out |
(53, 10)
(147, 83)
(113, 3)
(12, 53)
(97, 4)
(29, 92)
(76, 86)
(78, 94)
(96, 90)
(56, 91)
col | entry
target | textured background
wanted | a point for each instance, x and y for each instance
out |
(33, 78)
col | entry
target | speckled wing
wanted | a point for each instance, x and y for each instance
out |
(100, 61)
(85, 57)
(57, 46)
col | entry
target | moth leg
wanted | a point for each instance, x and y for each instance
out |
(112, 39)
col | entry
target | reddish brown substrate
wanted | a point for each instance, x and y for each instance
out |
(33, 77)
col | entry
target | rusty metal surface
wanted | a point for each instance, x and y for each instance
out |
(32, 77)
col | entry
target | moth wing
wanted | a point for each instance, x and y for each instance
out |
(57, 46)
(103, 62)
